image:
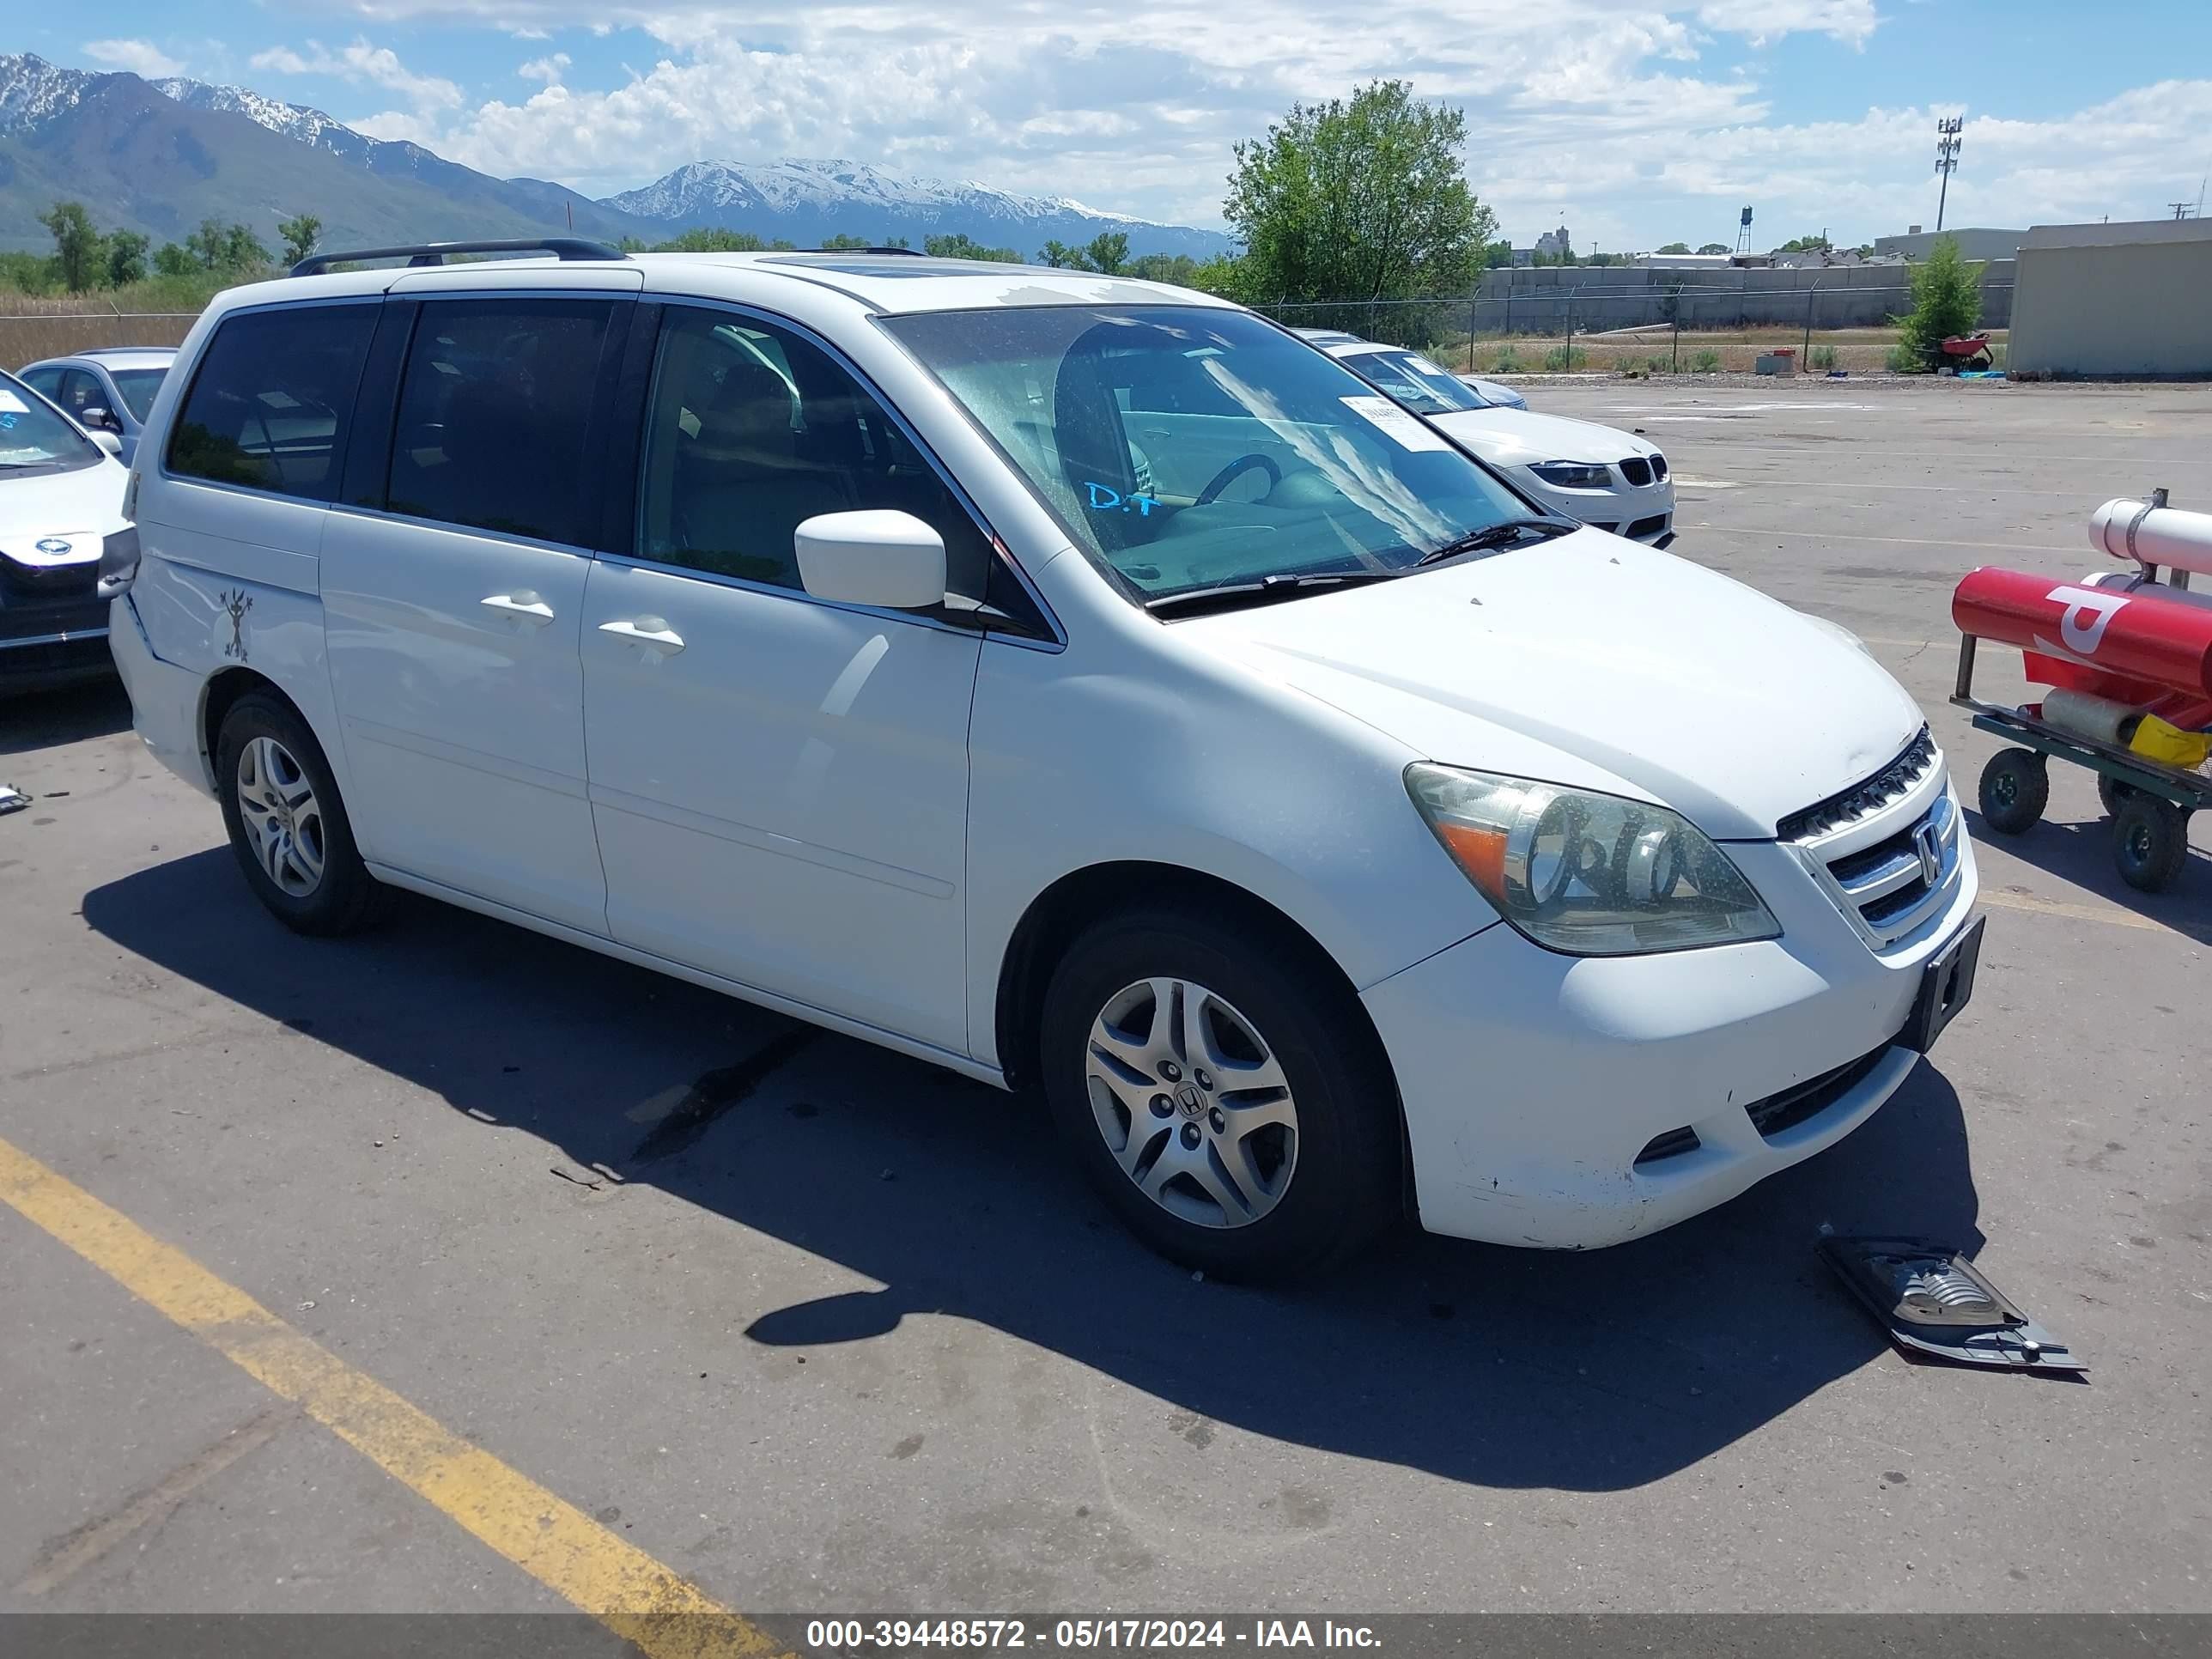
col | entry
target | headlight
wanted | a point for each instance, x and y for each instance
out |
(1575, 474)
(1590, 875)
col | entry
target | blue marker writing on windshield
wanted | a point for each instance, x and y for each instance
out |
(1105, 499)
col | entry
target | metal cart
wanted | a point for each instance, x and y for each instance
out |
(2149, 802)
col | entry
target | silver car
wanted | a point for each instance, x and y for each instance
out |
(108, 389)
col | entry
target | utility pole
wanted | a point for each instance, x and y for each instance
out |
(1946, 159)
(2180, 208)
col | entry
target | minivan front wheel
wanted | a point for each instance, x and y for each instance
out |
(1223, 1094)
(288, 826)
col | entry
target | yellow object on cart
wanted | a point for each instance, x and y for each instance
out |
(2155, 739)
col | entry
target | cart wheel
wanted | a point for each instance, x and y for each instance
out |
(2110, 792)
(2150, 839)
(2016, 785)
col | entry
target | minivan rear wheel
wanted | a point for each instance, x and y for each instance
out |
(1222, 1092)
(287, 825)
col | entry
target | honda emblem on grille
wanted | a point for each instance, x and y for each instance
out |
(1931, 852)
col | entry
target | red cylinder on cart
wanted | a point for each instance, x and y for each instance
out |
(2111, 631)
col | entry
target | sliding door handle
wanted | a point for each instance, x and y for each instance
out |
(653, 631)
(522, 605)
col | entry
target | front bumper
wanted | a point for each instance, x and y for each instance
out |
(1643, 513)
(53, 628)
(1531, 1081)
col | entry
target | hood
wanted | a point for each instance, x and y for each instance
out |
(1595, 663)
(76, 507)
(1517, 437)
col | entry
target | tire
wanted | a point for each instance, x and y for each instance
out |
(2110, 792)
(287, 825)
(1307, 1193)
(2150, 842)
(2014, 789)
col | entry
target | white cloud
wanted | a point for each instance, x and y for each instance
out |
(139, 57)
(362, 63)
(1627, 118)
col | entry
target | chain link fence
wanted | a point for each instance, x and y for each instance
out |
(1639, 326)
(27, 335)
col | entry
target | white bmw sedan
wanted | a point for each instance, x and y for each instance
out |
(61, 505)
(1596, 474)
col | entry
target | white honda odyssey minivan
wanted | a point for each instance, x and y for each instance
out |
(1076, 681)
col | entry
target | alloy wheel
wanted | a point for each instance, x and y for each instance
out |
(1192, 1103)
(282, 818)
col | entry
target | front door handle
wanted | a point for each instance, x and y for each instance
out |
(646, 630)
(523, 605)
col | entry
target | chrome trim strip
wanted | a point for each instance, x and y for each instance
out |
(54, 639)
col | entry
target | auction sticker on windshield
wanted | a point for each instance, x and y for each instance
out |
(1410, 431)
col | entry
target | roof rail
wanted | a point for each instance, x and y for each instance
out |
(436, 253)
(911, 252)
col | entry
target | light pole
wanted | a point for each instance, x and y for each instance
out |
(1946, 159)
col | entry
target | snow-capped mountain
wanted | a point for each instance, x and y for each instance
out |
(804, 201)
(160, 156)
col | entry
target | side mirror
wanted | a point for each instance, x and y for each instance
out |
(108, 441)
(876, 558)
(97, 419)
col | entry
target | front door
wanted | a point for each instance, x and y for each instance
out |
(451, 607)
(781, 785)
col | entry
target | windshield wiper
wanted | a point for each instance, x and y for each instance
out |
(1495, 536)
(1228, 596)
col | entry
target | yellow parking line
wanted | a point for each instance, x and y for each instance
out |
(2107, 913)
(555, 1543)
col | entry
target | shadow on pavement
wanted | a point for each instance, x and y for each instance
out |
(1477, 1364)
(2080, 853)
(47, 720)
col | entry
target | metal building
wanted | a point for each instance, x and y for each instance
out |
(2131, 301)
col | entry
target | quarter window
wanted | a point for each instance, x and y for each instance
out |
(270, 405)
(493, 406)
(751, 430)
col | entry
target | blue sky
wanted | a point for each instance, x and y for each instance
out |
(1638, 123)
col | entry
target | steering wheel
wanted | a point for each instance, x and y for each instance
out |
(1235, 469)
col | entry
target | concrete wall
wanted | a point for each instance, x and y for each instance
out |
(1975, 242)
(1605, 297)
(2123, 300)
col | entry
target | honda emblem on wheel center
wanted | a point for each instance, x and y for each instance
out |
(1188, 1098)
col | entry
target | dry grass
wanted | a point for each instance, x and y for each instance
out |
(27, 336)
(1653, 350)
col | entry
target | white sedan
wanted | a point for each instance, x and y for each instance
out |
(1598, 474)
(61, 509)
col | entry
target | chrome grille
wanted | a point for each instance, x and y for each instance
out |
(1637, 471)
(1887, 850)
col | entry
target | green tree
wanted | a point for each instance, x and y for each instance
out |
(1177, 267)
(170, 260)
(962, 246)
(301, 234)
(1594, 257)
(1803, 244)
(1062, 257)
(1674, 247)
(1716, 247)
(1946, 300)
(26, 273)
(242, 249)
(1224, 274)
(841, 241)
(1359, 200)
(1107, 252)
(706, 239)
(79, 255)
(126, 258)
(205, 245)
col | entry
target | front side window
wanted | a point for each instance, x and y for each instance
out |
(138, 387)
(272, 400)
(33, 439)
(1188, 447)
(1411, 379)
(493, 405)
(751, 430)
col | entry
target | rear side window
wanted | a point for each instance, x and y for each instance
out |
(271, 401)
(494, 404)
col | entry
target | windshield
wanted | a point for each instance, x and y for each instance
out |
(33, 434)
(1185, 447)
(1412, 379)
(137, 387)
